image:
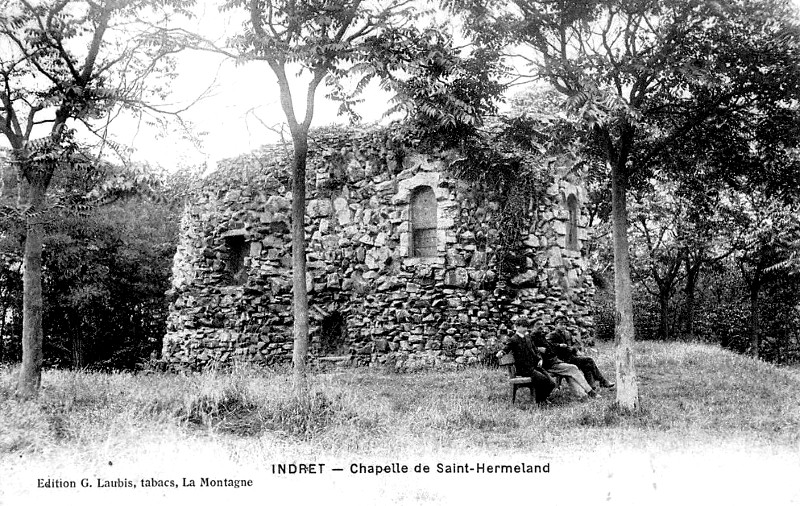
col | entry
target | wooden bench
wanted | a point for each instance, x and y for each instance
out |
(516, 382)
(507, 362)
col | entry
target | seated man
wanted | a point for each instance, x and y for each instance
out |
(527, 361)
(553, 365)
(566, 351)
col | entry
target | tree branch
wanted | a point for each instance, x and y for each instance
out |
(319, 74)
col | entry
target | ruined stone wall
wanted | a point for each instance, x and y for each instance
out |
(371, 299)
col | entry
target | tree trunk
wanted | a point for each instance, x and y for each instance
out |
(300, 351)
(627, 388)
(3, 313)
(692, 273)
(78, 361)
(755, 322)
(663, 320)
(30, 375)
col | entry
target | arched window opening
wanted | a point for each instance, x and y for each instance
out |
(423, 223)
(572, 225)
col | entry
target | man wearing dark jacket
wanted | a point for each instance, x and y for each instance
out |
(527, 361)
(566, 351)
(556, 367)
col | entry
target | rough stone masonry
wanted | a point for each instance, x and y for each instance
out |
(402, 260)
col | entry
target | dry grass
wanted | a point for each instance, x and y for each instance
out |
(695, 400)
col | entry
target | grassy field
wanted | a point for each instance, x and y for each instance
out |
(714, 426)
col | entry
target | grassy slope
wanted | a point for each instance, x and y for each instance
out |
(711, 420)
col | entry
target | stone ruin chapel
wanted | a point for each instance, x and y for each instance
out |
(402, 260)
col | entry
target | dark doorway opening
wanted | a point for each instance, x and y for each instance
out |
(332, 333)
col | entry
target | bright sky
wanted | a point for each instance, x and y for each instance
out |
(242, 100)
(235, 115)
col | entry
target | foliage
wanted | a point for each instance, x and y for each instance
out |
(447, 96)
(650, 77)
(780, 314)
(704, 88)
(106, 267)
(105, 279)
(69, 63)
(674, 228)
(513, 156)
(726, 247)
(768, 234)
(10, 305)
(83, 61)
(603, 315)
(722, 300)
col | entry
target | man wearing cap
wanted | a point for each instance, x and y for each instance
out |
(527, 361)
(566, 351)
(553, 365)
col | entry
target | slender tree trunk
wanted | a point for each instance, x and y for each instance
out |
(30, 375)
(78, 361)
(663, 320)
(3, 313)
(755, 321)
(692, 273)
(300, 351)
(5, 309)
(627, 388)
(300, 142)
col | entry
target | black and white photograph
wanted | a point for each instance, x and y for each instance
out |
(399, 252)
